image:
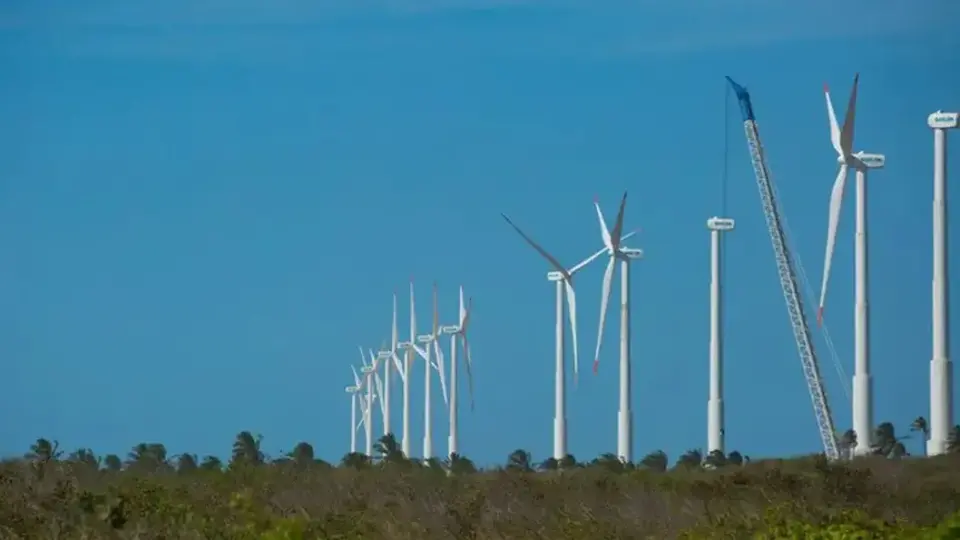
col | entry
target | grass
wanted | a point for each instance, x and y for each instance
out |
(797, 498)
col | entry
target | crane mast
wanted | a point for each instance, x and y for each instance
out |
(788, 277)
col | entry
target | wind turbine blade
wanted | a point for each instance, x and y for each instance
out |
(834, 127)
(618, 225)
(393, 328)
(379, 391)
(356, 378)
(436, 312)
(463, 309)
(469, 363)
(598, 253)
(440, 369)
(604, 301)
(553, 262)
(413, 315)
(465, 315)
(422, 353)
(603, 227)
(572, 312)
(363, 357)
(836, 201)
(846, 132)
(399, 366)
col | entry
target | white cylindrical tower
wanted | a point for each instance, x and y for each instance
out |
(452, 438)
(941, 368)
(715, 424)
(560, 384)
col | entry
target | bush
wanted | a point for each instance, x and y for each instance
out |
(871, 498)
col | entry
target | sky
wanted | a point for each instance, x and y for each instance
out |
(206, 206)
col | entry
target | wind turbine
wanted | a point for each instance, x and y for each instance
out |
(456, 331)
(842, 139)
(715, 426)
(390, 361)
(352, 390)
(941, 368)
(409, 351)
(370, 373)
(616, 251)
(564, 280)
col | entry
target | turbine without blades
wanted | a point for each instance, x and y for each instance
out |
(625, 255)
(842, 141)
(564, 280)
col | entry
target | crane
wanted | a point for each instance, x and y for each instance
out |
(788, 277)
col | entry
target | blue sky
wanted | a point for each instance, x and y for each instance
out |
(205, 207)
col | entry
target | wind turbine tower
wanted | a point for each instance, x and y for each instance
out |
(842, 139)
(368, 372)
(352, 390)
(390, 357)
(564, 280)
(941, 369)
(624, 254)
(458, 332)
(715, 424)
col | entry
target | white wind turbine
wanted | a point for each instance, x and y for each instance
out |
(353, 390)
(407, 347)
(842, 140)
(941, 367)
(564, 280)
(392, 361)
(456, 331)
(616, 251)
(715, 428)
(370, 377)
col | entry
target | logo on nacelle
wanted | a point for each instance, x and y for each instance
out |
(720, 224)
(942, 120)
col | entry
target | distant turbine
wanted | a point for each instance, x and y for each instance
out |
(842, 139)
(409, 350)
(564, 280)
(352, 390)
(456, 331)
(941, 368)
(431, 346)
(625, 255)
(715, 424)
(369, 372)
(391, 361)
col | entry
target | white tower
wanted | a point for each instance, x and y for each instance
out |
(715, 424)
(941, 369)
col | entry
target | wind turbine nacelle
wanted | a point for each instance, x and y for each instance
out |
(383, 355)
(943, 120)
(453, 329)
(554, 276)
(720, 224)
(631, 253)
(871, 161)
(405, 345)
(426, 338)
(366, 369)
(353, 389)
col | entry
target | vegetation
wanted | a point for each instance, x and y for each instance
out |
(152, 495)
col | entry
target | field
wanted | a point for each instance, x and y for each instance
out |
(298, 497)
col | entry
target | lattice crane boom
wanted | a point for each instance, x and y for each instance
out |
(788, 277)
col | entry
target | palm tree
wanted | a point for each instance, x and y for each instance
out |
(85, 457)
(715, 459)
(549, 464)
(886, 443)
(111, 462)
(691, 459)
(246, 449)
(736, 458)
(389, 449)
(43, 451)
(460, 465)
(953, 440)
(302, 454)
(655, 461)
(568, 462)
(848, 443)
(920, 425)
(148, 457)
(211, 463)
(610, 462)
(186, 463)
(355, 460)
(519, 460)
